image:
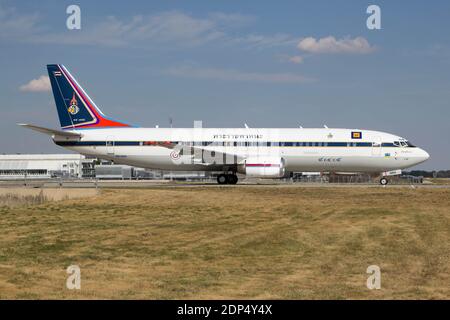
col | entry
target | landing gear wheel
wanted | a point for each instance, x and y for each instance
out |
(232, 179)
(384, 181)
(222, 179)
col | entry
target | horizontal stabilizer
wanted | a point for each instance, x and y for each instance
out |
(51, 132)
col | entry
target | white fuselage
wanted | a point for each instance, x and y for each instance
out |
(321, 149)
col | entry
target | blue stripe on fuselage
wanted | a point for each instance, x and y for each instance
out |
(221, 143)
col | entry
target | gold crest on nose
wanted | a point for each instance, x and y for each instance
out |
(356, 135)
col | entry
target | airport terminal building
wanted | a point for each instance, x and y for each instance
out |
(76, 166)
(45, 166)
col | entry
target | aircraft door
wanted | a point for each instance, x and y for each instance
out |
(376, 146)
(110, 144)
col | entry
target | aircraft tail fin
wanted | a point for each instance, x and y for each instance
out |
(76, 110)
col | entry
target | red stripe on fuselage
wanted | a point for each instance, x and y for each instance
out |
(261, 165)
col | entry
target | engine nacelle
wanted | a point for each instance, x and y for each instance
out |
(263, 167)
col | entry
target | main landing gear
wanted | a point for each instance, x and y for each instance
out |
(227, 179)
(384, 181)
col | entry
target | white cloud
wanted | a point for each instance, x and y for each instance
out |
(169, 29)
(17, 26)
(290, 59)
(296, 59)
(172, 27)
(330, 44)
(232, 20)
(235, 75)
(266, 41)
(42, 84)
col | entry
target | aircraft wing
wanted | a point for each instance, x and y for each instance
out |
(51, 132)
(199, 151)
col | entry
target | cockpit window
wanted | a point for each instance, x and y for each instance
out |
(403, 144)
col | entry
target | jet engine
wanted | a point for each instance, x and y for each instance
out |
(263, 167)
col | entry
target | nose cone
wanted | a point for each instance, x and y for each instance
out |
(422, 155)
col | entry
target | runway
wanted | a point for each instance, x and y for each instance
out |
(194, 184)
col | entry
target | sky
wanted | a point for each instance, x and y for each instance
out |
(264, 63)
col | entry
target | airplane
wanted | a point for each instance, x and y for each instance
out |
(255, 152)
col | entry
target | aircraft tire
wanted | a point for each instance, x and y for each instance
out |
(222, 179)
(232, 179)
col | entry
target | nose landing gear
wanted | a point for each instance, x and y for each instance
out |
(227, 179)
(384, 181)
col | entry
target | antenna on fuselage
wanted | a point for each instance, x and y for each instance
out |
(325, 126)
(246, 126)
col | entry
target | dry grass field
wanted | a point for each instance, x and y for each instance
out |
(27, 196)
(242, 242)
(439, 181)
